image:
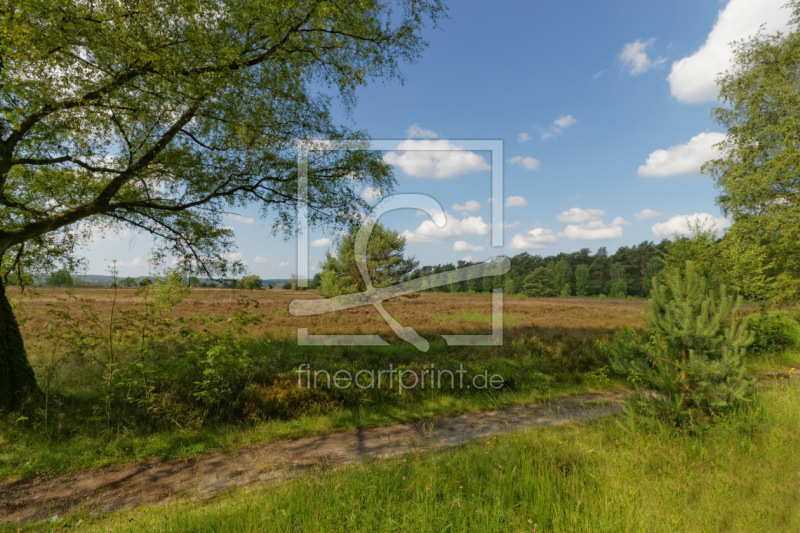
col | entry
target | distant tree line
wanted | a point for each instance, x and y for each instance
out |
(627, 272)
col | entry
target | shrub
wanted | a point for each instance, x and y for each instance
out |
(774, 331)
(694, 359)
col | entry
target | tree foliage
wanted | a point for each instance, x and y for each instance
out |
(540, 283)
(249, 283)
(694, 360)
(163, 115)
(386, 264)
(757, 173)
(60, 278)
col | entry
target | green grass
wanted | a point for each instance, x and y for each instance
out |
(27, 454)
(616, 474)
(77, 435)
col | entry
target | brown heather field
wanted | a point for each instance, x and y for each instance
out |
(430, 314)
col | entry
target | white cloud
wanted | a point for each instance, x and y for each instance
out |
(559, 125)
(514, 224)
(644, 214)
(136, 261)
(416, 132)
(435, 159)
(529, 163)
(579, 216)
(693, 78)
(634, 57)
(321, 243)
(468, 206)
(283, 264)
(260, 259)
(680, 224)
(516, 201)
(682, 158)
(564, 122)
(370, 194)
(523, 137)
(467, 258)
(536, 238)
(239, 218)
(464, 246)
(587, 224)
(428, 231)
(595, 230)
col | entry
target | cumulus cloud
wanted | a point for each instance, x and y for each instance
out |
(416, 132)
(693, 78)
(468, 206)
(679, 224)
(564, 122)
(635, 59)
(523, 137)
(535, 239)
(464, 246)
(428, 231)
(682, 158)
(260, 259)
(529, 163)
(579, 216)
(516, 201)
(321, 243)
(370, 194)
(587, 224)
(283, 264)
(435, 159)
(645, 214)
(596, 230)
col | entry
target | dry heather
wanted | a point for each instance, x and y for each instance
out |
(431, 314)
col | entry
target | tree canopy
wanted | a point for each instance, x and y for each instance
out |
(758, 173)
(386, 264)
(162, 116)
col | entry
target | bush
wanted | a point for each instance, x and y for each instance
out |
(774, 331)
(694, 359)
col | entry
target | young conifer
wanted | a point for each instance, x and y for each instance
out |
(694, 362)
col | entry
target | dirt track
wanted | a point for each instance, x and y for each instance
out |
(128, 486)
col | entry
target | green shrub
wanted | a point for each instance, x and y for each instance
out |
(774, 331)
(694, 359)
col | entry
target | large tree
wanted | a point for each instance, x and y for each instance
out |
(385, 262)
(162, 115)
(758, 172)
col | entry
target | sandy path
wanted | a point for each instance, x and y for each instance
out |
(128, 486)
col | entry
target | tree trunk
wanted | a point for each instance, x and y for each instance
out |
(17, 381)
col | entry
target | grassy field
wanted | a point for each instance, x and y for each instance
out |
(548, 352)
(430, 314)
(614, 475)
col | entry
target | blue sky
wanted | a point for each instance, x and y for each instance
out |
(604, 113)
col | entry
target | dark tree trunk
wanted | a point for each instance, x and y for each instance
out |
(17, 382)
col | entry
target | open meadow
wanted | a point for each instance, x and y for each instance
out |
(430, 314)
(218, 368)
